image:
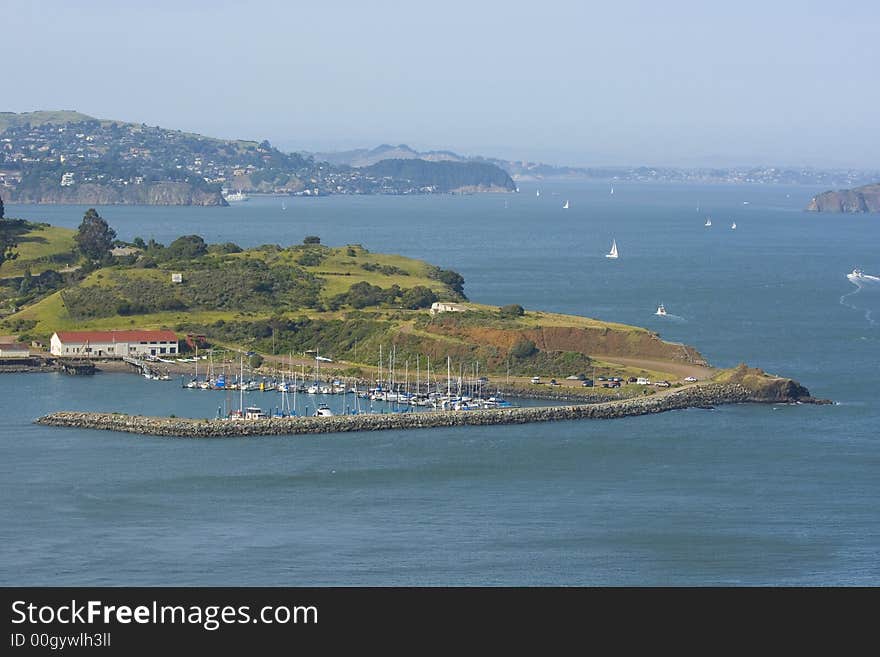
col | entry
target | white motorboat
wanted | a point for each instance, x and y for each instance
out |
(661, 310)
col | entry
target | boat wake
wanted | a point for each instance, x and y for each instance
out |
(670, 317)
(864, 283)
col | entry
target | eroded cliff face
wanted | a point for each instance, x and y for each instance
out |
(859, 199)
(161, 193)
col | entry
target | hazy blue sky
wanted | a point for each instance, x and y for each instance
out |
(617, 82)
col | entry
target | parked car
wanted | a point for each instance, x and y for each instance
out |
(690, 379)
(553, 382)
(587, 383)
(602, 378)
(631, 379)
(662, 384)
(536, 379)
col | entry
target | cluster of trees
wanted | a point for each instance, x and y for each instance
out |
(451, 278)
(363, 295)
(388, 270)
(286, 335)
(237, 284)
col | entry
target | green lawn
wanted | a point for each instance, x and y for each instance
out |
(36, 247)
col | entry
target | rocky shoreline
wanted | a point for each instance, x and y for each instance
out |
(696, 396)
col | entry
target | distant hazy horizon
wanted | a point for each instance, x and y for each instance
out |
(568, 83)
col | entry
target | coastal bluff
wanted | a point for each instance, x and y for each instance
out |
(695, 396)
(857, 200)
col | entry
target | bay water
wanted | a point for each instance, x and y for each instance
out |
(741, 495)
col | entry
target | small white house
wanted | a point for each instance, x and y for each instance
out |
(447, 307)
(114, 344)
(14, 350)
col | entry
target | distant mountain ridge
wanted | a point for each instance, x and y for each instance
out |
(857, 200)
(523, 170)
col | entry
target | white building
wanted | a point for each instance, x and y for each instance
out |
(14, 350)
(446, 307)
(114, 344)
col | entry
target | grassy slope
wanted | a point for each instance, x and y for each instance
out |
(51, 315)
(8, 119)
(38, 244)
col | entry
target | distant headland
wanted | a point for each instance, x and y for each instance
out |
(857, 200)
(71, 158)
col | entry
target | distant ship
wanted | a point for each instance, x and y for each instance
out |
(613, 252)
(857, 276)
(708, 221)
(661, 310)
(565, 206)
(537, 193)
(612, 190)
(733, 226)
(236, 196)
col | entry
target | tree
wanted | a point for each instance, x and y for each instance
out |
(186, 248)
(418, 297)
(512, 310)
(94, 237)
(7, 239)
(312, 239)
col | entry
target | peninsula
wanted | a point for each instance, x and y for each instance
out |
(361, 311)
(857, 200)
(71, 158)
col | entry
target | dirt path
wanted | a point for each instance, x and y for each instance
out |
(681, 369)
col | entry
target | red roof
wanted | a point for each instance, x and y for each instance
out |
(117, 336)
(13, 346)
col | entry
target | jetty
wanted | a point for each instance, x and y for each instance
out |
(694, 396)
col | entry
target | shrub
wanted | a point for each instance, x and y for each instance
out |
(512, 310)
(312, 239)
(523, 349)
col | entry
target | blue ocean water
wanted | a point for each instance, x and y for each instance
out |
(739, 495)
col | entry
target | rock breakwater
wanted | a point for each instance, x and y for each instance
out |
(699, 396)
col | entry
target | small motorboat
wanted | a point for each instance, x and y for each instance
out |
(661, 310)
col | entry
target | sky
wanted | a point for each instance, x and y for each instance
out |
(622, 82)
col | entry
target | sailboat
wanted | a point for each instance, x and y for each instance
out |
(733, 226)
(612, 190)
(565, 206)
(708, 222)
(537, 193)
(613, 252)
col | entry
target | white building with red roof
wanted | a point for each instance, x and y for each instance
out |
(114, 344)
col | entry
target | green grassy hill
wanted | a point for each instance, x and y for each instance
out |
(344, 301)
(40, 247)
(13, 119)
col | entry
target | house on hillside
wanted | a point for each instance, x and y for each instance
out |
(114, 344)
(447, 307)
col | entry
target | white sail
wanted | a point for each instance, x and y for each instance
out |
(733, 226)
(565, 207)
(708, 221)
(613, 252)
(537, 193)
